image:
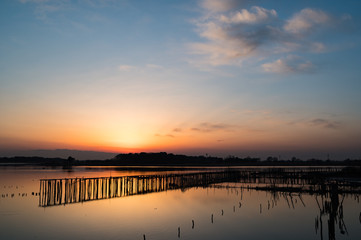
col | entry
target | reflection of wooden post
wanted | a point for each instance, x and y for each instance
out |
(59, 195)
(144, 190)
(109, 187)
(66, 188)
(40, 191)
(117, 192)
(125, 186)
(83, 195)
(321, 231)
(83, 187)
(137, 185)
(61, 191)
(89, 190)
(49, 192)
(96, 188)
(122, 187)
(73, 189)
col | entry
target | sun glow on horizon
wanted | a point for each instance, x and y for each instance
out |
(151, 76)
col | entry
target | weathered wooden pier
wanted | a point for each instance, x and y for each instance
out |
(55, 192)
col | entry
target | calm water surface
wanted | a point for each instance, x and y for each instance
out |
(157, 208)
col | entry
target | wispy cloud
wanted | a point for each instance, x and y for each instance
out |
(306, 20)
(211, 127)
(46, 9)
(290, 64)
(149, 66)
(177, 130)
(166, 135)
(324, 123)
(153, 66)
(232, 36)
(42, 8)
(126, 68)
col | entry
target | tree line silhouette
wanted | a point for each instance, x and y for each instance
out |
(170, 159)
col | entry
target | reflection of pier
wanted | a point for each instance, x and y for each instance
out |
(55, 192)
(329, 186)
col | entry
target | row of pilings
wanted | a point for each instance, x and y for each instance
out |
(55, 192)
(74, 190)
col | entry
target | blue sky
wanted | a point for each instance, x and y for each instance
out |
(222, 77)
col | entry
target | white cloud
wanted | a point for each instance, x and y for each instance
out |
(236, 36)
(290, 64)
(256, 15)
(221, 54)
(153, 66)
(231, 36)
(212, 31)
(305, 20)
(125, 68)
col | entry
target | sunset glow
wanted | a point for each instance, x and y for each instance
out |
(200, 77)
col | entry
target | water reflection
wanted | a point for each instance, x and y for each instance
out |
(329, 198)
(326, 186)
(333, 208)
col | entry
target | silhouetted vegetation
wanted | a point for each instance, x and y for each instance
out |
(169, 159)
(21, 161)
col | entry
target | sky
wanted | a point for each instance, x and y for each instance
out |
(232, 77)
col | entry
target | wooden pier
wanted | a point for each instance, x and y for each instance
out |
(55, 192)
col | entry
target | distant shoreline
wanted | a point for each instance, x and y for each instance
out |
(163, 159)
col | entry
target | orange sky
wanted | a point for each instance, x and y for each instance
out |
(194, 77)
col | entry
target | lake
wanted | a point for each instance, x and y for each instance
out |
(193, 203)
